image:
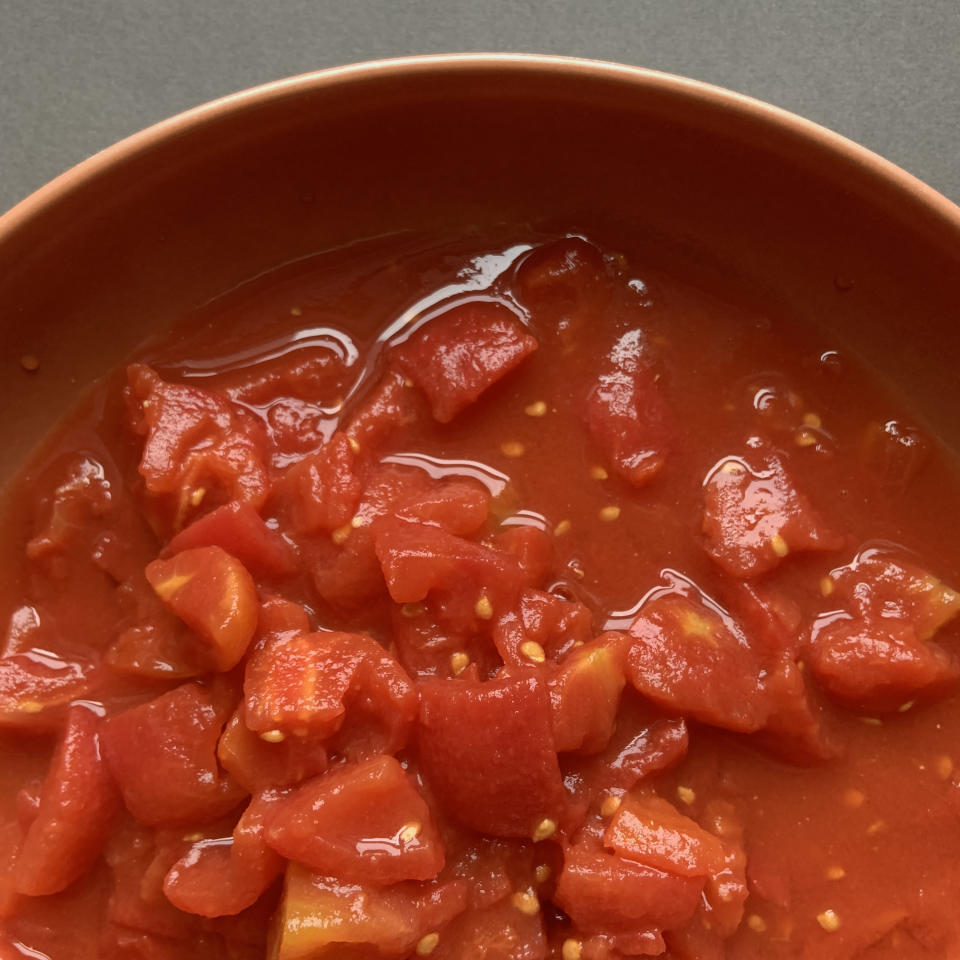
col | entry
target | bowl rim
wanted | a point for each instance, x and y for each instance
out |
(943, 212)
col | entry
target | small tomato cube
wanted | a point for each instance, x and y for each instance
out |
(214, 595)
(162, 755)
(239, 530)
(487, 752)
(362, 823)
(462, 352)
(754, 516)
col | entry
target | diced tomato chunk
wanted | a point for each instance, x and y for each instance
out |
(325, 487)
(363, 823)
(311, 683)
(36, 686)
(627, 416)
(585, 693)
(560, 276)
(754, 516)
(162, 755)
(879, 584)
(487, 752)
(876, 654)
(557, 625)
(382, 421)
(651, 830)
(214, 595)
(216, 879)
(690, 656)
(499, 931)
(76, 808)
(239, 530)
(258, 764)
(462, 352)
(606, 893)
(322, 918)
(458, 506)
(200, 448)
(532, 548)
(878, 665)
(417, 558)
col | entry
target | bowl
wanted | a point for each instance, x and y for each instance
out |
(140, 234)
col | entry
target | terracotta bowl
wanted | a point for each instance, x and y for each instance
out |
(132, 239)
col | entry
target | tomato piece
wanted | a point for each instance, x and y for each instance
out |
(363, 823)
(457, 506)
(311, 683)
(561, 281)
(321, 918)
(348, 575)
(214, 595)
(487, 751)
(216, 879)
(417, 558)
(258, 764)
(532, 548)
(876, 652)
(427, 646)
(239, 530)
(460, 353)
(878, 584)
(585, 694)
(627, 417)
(557, 625)
(162, 755)
(688, 655)
(796, 728)
(499, 931)
(651, 830)
(325, 487)
(36, 686)
(76, 807)
(199, 447)
(878, 665)
(754, 516)
(392, 406)
(606, 893)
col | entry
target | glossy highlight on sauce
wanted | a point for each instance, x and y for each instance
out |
(508, 599)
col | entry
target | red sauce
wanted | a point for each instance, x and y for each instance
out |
(454, 603)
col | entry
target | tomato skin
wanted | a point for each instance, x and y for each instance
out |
(362, 823)
(688, 655)
(754, 515)
(487, 751)
(77, 805)
(240, 531)
(459, 354)
(162, 755)
(313, 683)
(627, 417)
(257, 765)
(322, 918)
(213, 593)
(36, 687)
(215, 879)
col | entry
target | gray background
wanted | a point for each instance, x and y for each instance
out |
(77, 75)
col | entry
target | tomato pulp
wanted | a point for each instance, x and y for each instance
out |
(433, 601)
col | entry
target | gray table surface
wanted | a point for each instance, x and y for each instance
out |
(77, 75)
